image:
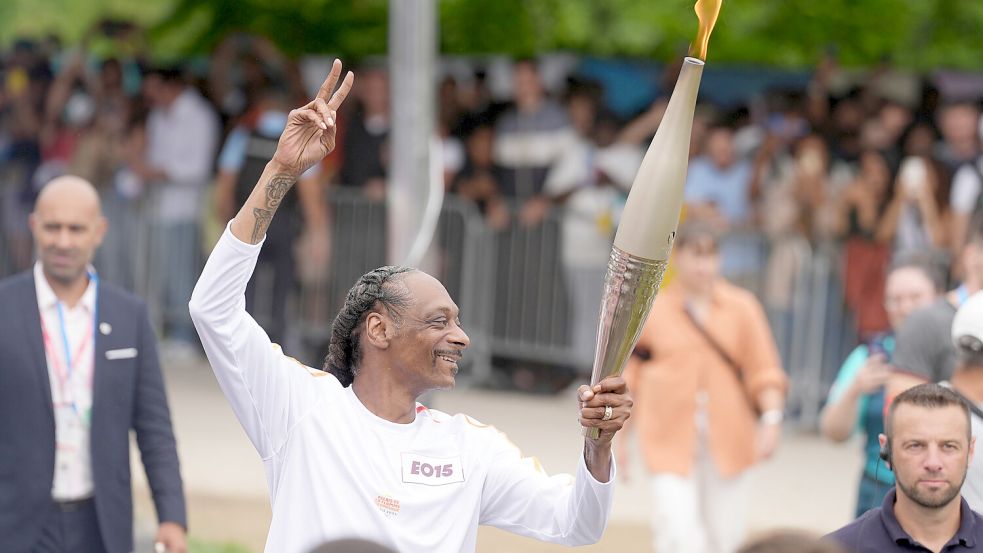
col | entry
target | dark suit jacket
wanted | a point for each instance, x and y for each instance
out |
(127, 394)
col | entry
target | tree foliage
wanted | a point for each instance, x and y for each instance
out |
(919, 34)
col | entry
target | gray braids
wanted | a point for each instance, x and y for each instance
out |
(344, 351)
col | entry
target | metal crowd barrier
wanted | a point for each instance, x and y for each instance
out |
(155, 257)
(814, 331)
(510, 286)
(532, 308)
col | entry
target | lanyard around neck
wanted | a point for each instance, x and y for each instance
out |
(65, 376)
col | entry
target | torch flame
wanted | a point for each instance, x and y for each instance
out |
(707, 11)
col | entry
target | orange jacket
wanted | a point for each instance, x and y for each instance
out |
(664, 388)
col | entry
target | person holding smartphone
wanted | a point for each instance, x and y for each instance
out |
(913, 220)
(856, 399)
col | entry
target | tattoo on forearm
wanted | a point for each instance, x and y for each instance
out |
(263, 217)
(277, 188)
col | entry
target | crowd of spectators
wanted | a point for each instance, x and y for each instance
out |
(879, 172)
(853, 164)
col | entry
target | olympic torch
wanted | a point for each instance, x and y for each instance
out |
(648, 225)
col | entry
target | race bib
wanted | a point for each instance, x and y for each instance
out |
(431, 471)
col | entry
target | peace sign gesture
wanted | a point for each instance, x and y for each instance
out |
(310, 131)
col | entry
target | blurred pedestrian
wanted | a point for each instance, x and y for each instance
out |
(590, 182)
(364, 164)
(529, 140)
(861, 211)
(928, 444)
(27, 78)
(913, 220)
(718, 191)
(240, 163)
(80, 371)
(710, 394)
(963, 156)
(480, 178)
(967, 381)
(182, 138)
(924, 351)
(856, 400)
(959, 124)
(242, 68)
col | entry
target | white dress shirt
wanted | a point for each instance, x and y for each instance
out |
(182, 140)
(71, 385)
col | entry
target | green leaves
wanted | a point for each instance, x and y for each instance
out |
(356, 29)
(918, 34)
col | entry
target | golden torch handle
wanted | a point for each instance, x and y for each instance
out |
(630, 286)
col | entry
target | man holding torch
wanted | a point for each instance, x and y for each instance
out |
(687, 399)
(348, 452)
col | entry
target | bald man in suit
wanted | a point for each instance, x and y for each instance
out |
(78, 371)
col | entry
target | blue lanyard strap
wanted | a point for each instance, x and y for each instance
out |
(64, 341)
(69, 365)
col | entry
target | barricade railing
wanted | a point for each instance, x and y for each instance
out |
(511, 286)
(156, 256)
(532, 308)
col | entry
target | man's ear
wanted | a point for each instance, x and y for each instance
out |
(377, 330)
(885, 450)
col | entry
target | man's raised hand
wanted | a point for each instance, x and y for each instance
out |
(307, 138)
(310, 131)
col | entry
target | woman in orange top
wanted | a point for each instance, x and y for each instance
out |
(706, 367)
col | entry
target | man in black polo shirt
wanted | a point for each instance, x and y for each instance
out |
(928, 446)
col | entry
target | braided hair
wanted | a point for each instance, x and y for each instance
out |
(372, 289)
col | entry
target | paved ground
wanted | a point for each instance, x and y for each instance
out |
(809, 484)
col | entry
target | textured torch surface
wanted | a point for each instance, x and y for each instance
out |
(630, 286)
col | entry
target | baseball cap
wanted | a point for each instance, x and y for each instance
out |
(967, 326)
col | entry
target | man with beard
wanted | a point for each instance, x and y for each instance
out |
(928, 446)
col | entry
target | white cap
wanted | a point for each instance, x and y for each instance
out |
(969, 323)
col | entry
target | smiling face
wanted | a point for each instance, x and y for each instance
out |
(428, 340)
(930, 452)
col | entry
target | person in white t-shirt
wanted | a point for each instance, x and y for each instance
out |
(348, 452)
